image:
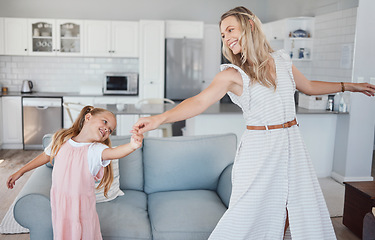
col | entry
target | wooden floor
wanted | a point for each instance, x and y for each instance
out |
(12, 160)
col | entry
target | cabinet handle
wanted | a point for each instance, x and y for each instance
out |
(25, 49)
(151, 82)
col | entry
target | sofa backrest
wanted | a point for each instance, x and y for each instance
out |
(130, 167)
(185, 163)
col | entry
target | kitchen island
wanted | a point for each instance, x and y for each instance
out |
(318, 127)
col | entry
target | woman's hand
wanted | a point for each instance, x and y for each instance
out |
(12, 179)
(365, 88)
(146, 124)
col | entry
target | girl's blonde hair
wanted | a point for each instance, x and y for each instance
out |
(63, 135)
(255, 59)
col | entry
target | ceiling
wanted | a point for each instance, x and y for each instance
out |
(208, 11)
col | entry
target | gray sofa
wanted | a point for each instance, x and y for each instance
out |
(175, 188)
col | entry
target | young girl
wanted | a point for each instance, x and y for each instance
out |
(81, 156)
(274, 182)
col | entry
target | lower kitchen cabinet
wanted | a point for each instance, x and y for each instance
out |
(12, 123)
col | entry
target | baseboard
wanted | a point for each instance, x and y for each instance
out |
(12, 146)
(342, 179)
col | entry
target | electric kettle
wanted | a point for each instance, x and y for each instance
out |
(27, 85)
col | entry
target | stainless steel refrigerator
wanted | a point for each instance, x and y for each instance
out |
(183, 68)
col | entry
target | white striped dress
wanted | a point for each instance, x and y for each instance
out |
(272, 171)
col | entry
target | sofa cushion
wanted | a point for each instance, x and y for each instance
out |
(125, 217)
(191, 214)
(114, 190)
(184, 163)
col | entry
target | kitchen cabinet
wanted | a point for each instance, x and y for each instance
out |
(49, 37)
(184, 29)
(111, 38)
(69, 37)
(12, 122)
(152, 46)
(2, 51)
(280, 35)
(15, 36)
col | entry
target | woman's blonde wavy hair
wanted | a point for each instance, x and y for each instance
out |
(63, 135)
(255, 59)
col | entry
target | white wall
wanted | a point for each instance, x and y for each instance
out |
(354, 144)
(328, 6)
(334, 32)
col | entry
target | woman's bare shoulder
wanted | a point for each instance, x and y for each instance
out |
(231, 74)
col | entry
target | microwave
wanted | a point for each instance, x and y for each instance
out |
(121, 83)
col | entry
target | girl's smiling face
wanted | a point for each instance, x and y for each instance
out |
(101, 125)
(230, 32)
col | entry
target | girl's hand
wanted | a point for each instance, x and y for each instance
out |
(136, 141)
(365, 88)
(146, 124)
(12, 180)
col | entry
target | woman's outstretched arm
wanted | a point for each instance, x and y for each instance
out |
(319, 87)
(228, 80)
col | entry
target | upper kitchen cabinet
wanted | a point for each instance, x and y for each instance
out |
(184, 29)
(151, 59)
(111, 38)
(55, 37)
(15, 36)
(2, 36)
(69, 37)
(295, 35)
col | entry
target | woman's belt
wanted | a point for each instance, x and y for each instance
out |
(270, 127)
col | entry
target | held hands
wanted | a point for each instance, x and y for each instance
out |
(12, 180)
(136, 140)
(146, 124)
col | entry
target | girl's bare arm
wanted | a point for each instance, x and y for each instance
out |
(36, 162)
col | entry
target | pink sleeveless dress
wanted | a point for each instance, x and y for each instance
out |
(73, 200)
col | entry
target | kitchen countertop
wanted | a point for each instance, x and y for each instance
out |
(223, 108)
(152, 109)
(39, 94)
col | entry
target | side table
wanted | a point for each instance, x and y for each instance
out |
(359, 200)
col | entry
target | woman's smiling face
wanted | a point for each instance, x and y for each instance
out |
(230, 32)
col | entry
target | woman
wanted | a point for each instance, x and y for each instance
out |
(274, 183)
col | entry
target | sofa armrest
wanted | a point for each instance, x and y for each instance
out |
(224, 187)
(32, 209)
